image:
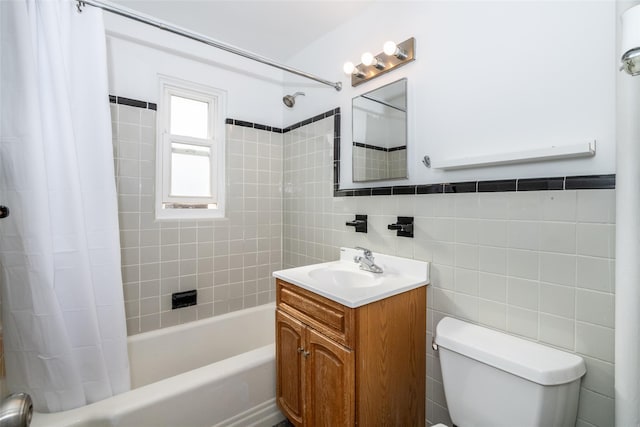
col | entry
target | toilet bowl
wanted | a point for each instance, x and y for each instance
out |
(493, 379)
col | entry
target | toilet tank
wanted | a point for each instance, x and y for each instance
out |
(494, 379)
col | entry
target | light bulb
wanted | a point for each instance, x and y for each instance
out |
(392, 49)
(367, 58)
(389, 48)
(348, 67)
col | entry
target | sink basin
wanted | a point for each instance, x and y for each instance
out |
(344, 282)
(349, 277)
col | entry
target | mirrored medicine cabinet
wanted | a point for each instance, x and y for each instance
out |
(379, 130)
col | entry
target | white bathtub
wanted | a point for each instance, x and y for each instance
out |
(213, 372)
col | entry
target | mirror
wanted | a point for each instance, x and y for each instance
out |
(380, 133)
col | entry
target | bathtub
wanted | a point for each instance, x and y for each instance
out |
(213, 372)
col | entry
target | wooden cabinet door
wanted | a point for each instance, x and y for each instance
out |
(290, 334)
(330, 383)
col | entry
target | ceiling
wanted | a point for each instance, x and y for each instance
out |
(275, 29)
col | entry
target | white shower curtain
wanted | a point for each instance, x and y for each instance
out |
(62, 304)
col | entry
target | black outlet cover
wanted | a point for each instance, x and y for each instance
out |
(184, 299)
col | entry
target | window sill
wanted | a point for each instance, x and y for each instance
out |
(186, 213)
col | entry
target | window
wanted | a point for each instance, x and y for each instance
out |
(190, 151)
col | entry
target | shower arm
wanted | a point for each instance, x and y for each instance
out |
(149, 20)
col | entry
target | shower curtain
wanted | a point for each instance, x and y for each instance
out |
(63, 315)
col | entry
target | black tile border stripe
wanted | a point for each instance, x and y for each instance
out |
(377, 148)
(541, 184)
(580, 182)
(460, 187)
(305, 122)
(132, 102)
(398, 148)
(585, 182)
(590, 182)
(497, 186)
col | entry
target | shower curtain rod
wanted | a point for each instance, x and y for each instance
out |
(146, 19)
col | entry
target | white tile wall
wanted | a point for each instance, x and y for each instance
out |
(536, 264)
(229, 261)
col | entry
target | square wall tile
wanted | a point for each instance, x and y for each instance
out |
(595, 307)
(557, 331)
(559, 205)
(558, 237)
(595, 273)
(492, 314)
(492, 287)
(557, 300)
(558, 268)
(522, 293)
(522, 322)
(524, 235)
(523, 264)
(596, 206)
(492, 260)
(595, 341)
(596, 240)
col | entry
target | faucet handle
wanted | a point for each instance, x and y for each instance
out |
(367, 252)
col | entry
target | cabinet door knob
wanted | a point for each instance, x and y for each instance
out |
(300, 350)
(306, 354)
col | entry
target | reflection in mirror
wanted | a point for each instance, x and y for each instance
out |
(380, 133)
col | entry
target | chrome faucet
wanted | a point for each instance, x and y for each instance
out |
(366, 261)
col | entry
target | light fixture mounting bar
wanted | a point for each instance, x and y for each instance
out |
(391, 62)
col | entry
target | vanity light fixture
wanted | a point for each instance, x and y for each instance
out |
(393, 56)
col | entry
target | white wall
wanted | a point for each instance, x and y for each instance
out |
(137, 53)
(489, 77)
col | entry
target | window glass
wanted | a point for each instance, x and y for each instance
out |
(190, 170)
(189, 117)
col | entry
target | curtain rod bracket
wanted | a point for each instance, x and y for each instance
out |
(80, 4)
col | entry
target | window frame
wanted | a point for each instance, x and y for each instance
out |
(190, 207)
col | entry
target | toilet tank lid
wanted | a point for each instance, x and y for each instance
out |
(532, 361)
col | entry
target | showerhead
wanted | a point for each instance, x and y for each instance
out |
(290, 100)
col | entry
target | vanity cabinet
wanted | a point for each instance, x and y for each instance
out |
(341, 366)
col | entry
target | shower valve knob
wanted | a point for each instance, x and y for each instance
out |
(403, 227)
(360, 223)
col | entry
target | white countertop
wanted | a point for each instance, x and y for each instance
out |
(359, 287)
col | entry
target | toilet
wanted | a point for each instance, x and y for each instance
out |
(493, 379)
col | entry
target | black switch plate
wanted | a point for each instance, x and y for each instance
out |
(184, 299)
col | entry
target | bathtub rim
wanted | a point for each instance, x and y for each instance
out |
(101, 413)
(198, 323)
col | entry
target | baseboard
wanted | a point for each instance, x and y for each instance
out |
(265, 414)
